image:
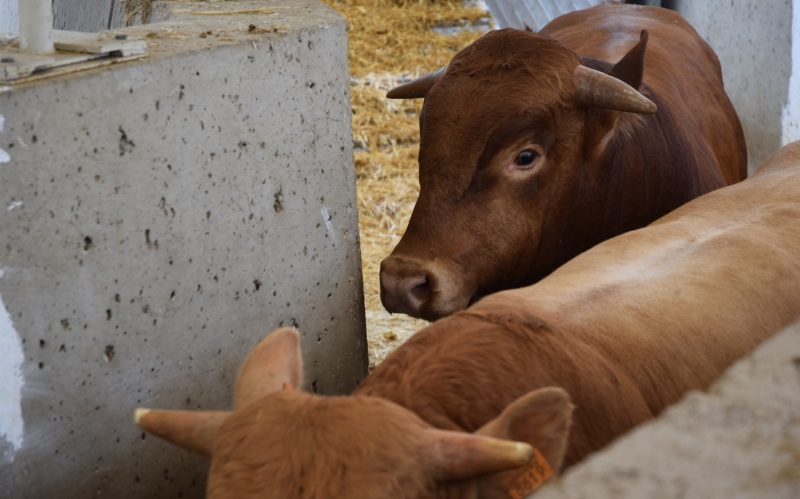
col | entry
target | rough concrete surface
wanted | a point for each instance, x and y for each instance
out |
(740, 439)
(158, 218)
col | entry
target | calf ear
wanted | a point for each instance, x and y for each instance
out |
(630, 68)
(541, 418)
(272, 365)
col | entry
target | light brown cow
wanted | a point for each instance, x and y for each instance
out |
(533, 149)
(623, 330)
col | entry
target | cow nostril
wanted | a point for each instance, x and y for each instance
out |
(407, 287)
(422, 291)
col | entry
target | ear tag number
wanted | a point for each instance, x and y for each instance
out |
(521, 482)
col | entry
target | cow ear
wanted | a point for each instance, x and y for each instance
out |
(630, 68)
(272, 365)
(541, 418)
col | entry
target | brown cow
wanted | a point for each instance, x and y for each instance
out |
(625, 329)
(528, 157)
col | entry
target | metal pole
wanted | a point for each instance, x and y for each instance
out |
(36, 26)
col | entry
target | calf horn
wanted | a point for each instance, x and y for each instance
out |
(418, 88)
(455, 455)
(193, 430)
(598, 89)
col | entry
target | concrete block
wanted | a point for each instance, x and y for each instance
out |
(740, 439)
(157, 219)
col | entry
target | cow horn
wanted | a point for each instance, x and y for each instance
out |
(455, 455)
(418, 88)
(192, 430)
(598, 89)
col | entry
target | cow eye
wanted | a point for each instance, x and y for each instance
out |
(526, 158)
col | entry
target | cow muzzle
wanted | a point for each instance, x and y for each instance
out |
(425, 290)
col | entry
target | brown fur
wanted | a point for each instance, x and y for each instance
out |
(293, 448)
(293, 445)
(476, 228)
(626, 328)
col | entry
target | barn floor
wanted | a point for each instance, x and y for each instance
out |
(390, 42)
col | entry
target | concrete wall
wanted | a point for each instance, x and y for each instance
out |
(753, 40)
(157, 219)
(740, 439)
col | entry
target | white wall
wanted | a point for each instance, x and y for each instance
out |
(791, 111)
(11, 423)
(534, 13)
(9, 15)
(753, 40)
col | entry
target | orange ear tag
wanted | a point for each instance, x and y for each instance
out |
(525, 479)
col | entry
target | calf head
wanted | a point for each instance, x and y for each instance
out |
(283, 443)
(508, 135)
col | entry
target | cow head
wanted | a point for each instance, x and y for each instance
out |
(508, 135)
(283, 443)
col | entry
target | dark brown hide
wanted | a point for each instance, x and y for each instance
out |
(486, 221)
